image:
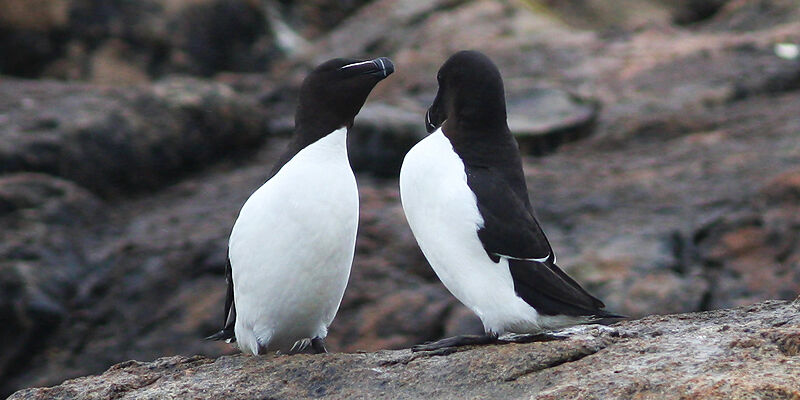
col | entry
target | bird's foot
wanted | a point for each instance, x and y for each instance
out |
(529, 338)
(456, 341)
(318, 345)
(309, 346)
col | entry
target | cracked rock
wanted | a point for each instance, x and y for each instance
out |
(688, 358)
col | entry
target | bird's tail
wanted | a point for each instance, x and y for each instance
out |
(604, 317)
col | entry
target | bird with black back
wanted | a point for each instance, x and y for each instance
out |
(292, 245)
(465, 198)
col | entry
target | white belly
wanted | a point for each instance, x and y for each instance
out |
(292, 247)
(443, 214)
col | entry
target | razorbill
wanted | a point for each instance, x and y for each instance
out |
(291, 247)
(465, 198)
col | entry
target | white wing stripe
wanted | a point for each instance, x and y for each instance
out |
(543, 259)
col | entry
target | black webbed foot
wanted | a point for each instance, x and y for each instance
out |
(529, 338)
(318, 345)
(309, 346)
(456, 341)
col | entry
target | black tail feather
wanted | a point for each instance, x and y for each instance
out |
(552, 292)
(227, 331)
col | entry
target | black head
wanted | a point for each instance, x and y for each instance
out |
(471, 95)
(334, 92)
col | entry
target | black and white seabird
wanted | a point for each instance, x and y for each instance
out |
(465, 198)
(292, 246)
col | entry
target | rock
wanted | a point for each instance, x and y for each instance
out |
(118, 140)
(543, 119)
(43, 258)
(29, 34)
(693, 11)
(743, 16)
(610, 15)
(381, 137)
(750, 350)
(784, 189)
(82, 39)
(316, 17)
(682, 199)
(34, 15)
(91, 40)
(752, 252)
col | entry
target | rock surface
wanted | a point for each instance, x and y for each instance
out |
(749, 352)
(116, 140)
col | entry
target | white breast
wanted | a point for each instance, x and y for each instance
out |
(443, 214)
(292, 247)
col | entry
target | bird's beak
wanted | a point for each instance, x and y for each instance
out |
(380, 68)
(383, 67)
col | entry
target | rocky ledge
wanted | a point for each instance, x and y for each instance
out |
(747, 352)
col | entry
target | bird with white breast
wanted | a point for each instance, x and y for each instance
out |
(465, 198)
(292, 245)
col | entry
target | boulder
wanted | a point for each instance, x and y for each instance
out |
(43, 259)
(86, 39)
(543, 119)
(116, 140)
(683, 197)
(381, 137)
(726, 354)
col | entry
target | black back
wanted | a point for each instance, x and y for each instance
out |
(330, 97)
(470, 108)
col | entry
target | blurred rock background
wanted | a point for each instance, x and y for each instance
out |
(662, 143)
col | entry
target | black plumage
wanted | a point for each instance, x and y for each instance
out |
(470, 108)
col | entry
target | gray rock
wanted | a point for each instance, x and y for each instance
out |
(381, 137)
(750, 350)
(683, 199)
(117, 140)
(129, 42)
(43, 259)
(543, 119)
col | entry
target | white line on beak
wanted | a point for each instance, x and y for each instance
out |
(356, 64)
(383, 67)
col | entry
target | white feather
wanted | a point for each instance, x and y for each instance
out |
(443, 214)
(292, 247)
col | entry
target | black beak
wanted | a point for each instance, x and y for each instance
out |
(384, 65)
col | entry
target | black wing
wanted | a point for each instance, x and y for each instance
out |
(226, 333)
(510, 230)
(552, 292)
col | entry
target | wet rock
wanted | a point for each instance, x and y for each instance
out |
(118, 140)
(664, 357)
